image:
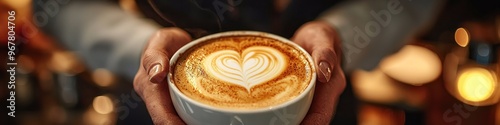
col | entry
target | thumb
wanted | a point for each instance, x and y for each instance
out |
(319, 39)
(325, 61)
(162, 45)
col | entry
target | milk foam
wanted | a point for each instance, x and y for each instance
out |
(242, 72)
(254, 66)
(282, 90)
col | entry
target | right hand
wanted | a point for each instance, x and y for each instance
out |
(322, 42)
(150, 81)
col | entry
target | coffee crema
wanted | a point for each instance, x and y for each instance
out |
(242, 72)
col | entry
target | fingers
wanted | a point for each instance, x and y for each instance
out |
(325, 60)
(161, 47)
(157, 100)
(325, 99)
(318, 39)
(154, 69)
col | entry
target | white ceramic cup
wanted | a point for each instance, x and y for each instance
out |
(196, 113)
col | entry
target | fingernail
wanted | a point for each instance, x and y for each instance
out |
(325, 70)
(155, 73)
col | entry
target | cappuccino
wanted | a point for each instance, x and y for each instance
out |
(242, 72)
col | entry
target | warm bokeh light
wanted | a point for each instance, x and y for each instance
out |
(413, 64)
(379, 115)
(462, 37)
(91, 117)
(103, 77)
(476, 84)
(103, 105)
(375, 86)
(66, 62)
(19, 4)
(130, 6)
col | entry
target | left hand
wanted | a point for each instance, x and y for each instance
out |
(320, 40)
(150, 81)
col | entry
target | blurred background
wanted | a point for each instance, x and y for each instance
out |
(447, 75)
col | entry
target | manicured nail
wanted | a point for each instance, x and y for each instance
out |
(155, 73)
(325, 70)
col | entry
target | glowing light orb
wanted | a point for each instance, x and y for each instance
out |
(103, 105)
(476, 84)
(462, 37)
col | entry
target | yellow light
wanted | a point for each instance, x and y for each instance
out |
(103, 104)
(462, 37)
(476, 84)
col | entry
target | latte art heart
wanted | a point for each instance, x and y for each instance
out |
(253, 66)
(242, 72)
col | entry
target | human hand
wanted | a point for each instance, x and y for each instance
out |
(321, 41)
(150, 83)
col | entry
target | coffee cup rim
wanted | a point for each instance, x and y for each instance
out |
(184, 48)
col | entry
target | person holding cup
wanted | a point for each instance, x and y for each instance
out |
(322, 108)
(328, 38)
(319, 38)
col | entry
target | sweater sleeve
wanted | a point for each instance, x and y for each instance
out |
(373, 29)
(102, 34)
